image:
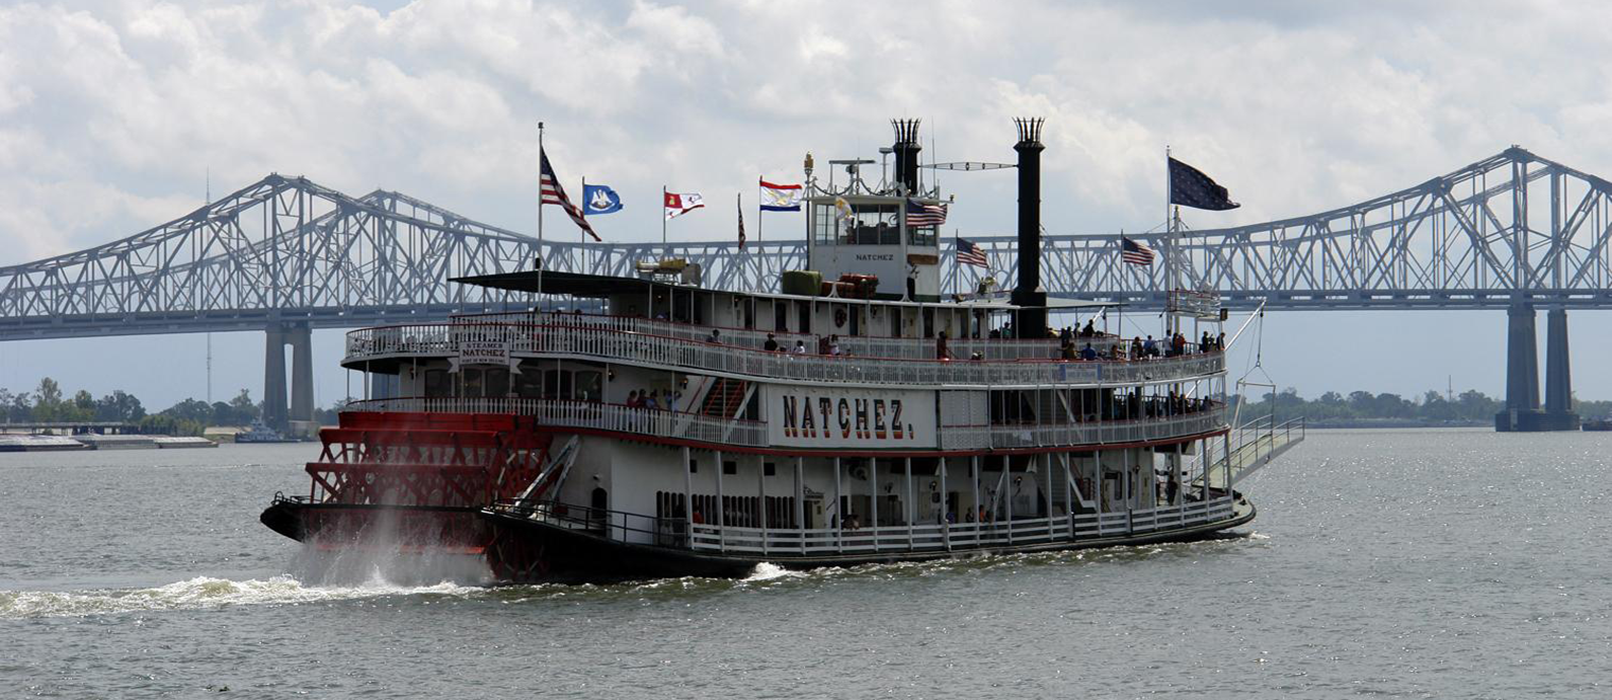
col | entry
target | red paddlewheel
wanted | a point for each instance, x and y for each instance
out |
(439, 460)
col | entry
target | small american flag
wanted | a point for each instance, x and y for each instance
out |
(552, 193)
(1135, 253)
(970, 254)
(739, 203)
(920, 214)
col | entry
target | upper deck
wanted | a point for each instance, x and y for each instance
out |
(863, 360)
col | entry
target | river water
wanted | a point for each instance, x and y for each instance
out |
(1396, 563)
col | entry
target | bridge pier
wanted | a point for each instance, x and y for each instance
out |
(276, 413)
(274, 409)
(1522, 413)
(301, 340)
(1559, 413)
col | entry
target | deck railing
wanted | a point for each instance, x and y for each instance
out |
(937, 537)
(610, 338)
(698, 427)
(856, 345)
(590, 415)
(976, 437)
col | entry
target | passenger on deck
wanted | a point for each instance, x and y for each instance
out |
(1068, 352)
(633, 401)
(1088, 353)
(1204, 342)
(942, 350)
(771, 345)
(976, 357)
(1090, 329)
(716, 337)
(1220, 342)
(699, 518)
(1150, 348)
(1067, 335)
(1136, 348)
(834, 345)
(653, 402)
(800, 347)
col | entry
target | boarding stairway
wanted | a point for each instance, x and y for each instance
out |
(1255, 444)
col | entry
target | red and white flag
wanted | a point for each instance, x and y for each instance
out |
(680, 204)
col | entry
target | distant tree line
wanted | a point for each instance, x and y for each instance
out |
(48, 404)
(1469, 406)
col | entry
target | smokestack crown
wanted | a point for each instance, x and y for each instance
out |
(906, 151)
(1029, 132)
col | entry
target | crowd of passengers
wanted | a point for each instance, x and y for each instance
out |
(1140, 349)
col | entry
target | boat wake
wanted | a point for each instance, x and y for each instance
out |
(202, 592)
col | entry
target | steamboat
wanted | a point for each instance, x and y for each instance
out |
(679, 430)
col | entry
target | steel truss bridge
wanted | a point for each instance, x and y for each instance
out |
(285, 255)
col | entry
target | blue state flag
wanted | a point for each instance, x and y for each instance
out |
(599, 199)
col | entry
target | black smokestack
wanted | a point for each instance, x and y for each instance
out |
(1033, 319)
(906, 151)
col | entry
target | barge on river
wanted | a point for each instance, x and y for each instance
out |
(679, 430)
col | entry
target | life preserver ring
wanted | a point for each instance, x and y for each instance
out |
(839, 318)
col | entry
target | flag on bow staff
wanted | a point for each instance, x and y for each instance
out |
(553, 193)
(1135, 253)
(738, 202)
(970, 254)
(1189, 187)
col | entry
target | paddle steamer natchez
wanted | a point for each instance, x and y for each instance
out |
(853, 421)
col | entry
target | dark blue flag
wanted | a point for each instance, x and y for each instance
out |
(599, 199)
(1189, 187)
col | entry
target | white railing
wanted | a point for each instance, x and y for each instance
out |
(856, 345)
(978, 437)
(596, 416)
(933, 537)
(607, 338)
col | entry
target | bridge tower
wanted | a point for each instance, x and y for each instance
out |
(300, 337)
(1522, 413)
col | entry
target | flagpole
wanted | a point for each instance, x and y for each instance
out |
(582, 235)
(540, 262)
(759, 219)
(663, 219)
(1169, 252)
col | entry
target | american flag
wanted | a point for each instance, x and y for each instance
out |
(1135, 253)
(739, 202)
(970, 254)
(554, 194)
(920, 214)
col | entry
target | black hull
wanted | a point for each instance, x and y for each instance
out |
(520, 550)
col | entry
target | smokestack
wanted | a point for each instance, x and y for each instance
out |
(1032, 321)
(906, 151)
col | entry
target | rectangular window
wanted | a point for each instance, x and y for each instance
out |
(436, 383)
(769, 469)
(730, 468)
(693, 466)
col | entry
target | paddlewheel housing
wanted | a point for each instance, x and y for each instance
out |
(418, 481)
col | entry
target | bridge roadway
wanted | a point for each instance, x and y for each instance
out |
(286, 255)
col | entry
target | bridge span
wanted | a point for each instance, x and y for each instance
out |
(285, 255)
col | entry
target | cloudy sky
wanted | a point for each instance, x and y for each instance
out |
(113, 113)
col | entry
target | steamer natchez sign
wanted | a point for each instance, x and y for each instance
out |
(810, 417)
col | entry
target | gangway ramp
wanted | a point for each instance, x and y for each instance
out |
(1257, 444)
